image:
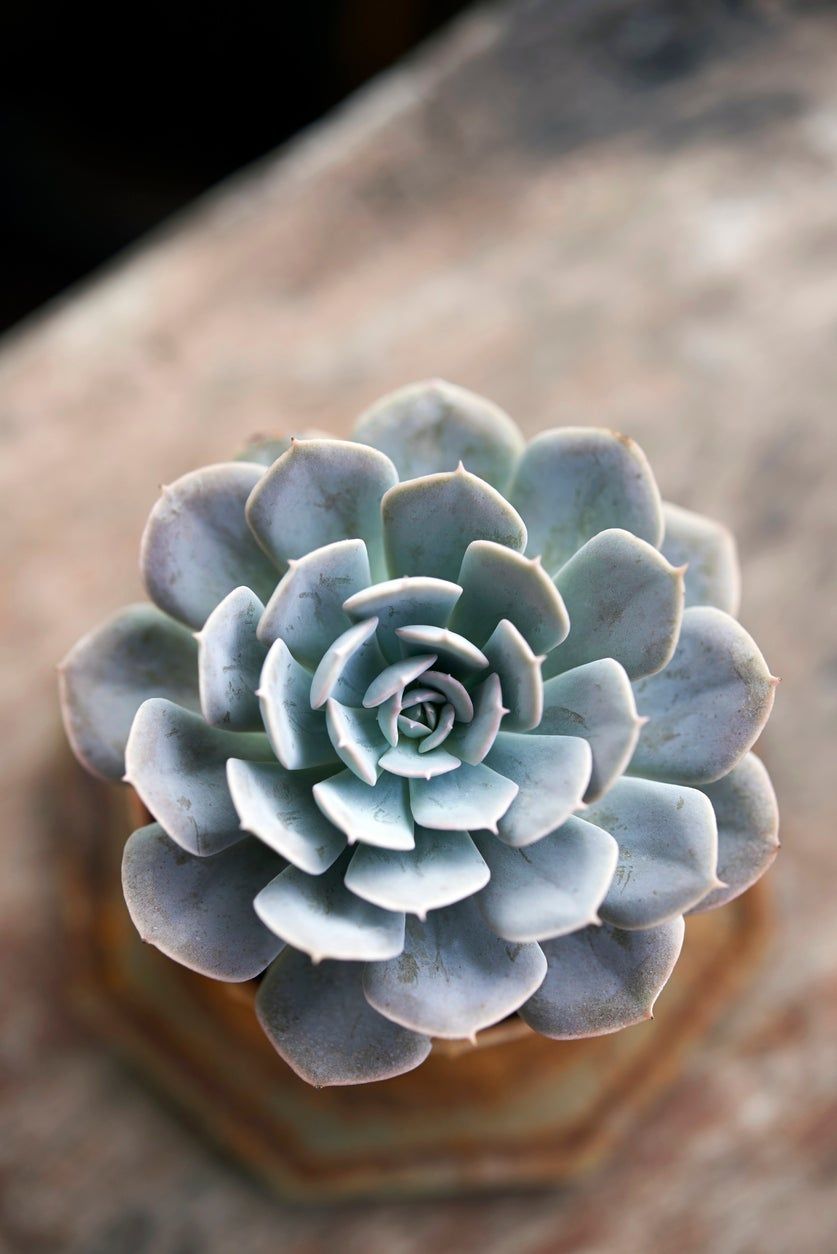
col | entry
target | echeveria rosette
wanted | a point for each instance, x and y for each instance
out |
(444, 727)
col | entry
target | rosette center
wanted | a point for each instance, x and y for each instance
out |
(419, 716)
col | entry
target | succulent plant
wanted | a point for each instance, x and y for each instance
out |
(436, 727)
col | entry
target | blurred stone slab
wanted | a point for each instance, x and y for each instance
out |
(604, 213)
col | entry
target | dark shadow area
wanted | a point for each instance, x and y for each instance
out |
(112, 119)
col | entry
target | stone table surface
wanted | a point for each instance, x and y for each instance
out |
(595, 212)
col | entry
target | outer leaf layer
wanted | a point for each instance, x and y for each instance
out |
(709, 552)
(464, 799)
(319, 492)
(230, 662)
(429, 427)
(429, 523)
(306, 609)
(551, 774)
(319, 915)
(600, 980)
(197, 546)
(595, 701)
(519, 671)
(378, 816)
(499, 583)
(707, 708)
(199, 911)
(668, 851)
(137, 653)
(297, 733)
(278, 806)
(454, 976)
(574, 482)
(443, 868)
(178, 766)
(748, 829)
(551, 888)
(318, 1020)
(624, 601)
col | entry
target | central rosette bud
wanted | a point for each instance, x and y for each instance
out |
(441, 694)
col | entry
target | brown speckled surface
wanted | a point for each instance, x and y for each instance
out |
(595, 213)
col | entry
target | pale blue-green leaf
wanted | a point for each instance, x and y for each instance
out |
(455, 976)
(277, 806)
(137, 653)
(348, 666)
(400, 602)
(600, 980)
(197, 546)
(441, 687)
(318, 492)
(469, 798)
(519, 672)
(574, 482)
(319, 915)
(407, 760)
(230, 660)
(320, 1023)
(551, 774)
(708, 550)
(595, 701)
(298, 733)
(199, 911)
(178, 767)
(410, 728)
(429, 712)
(498, 583)
(551, 888)
(668, 851)
(372, 816)
(357, 739)
(429, 523)
(443, 868)
(306, 609)
(434, 425)
(624, 600)
(441, 731)
(708, 707)
(387, 714)
(748, 829)
(419, 698)
(395, 678)
(454, 654)
(472, 742)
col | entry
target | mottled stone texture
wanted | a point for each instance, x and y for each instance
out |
(606, 213)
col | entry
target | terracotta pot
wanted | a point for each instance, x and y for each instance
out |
(513, 1110)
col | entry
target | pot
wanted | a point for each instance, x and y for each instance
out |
(512, 1110)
